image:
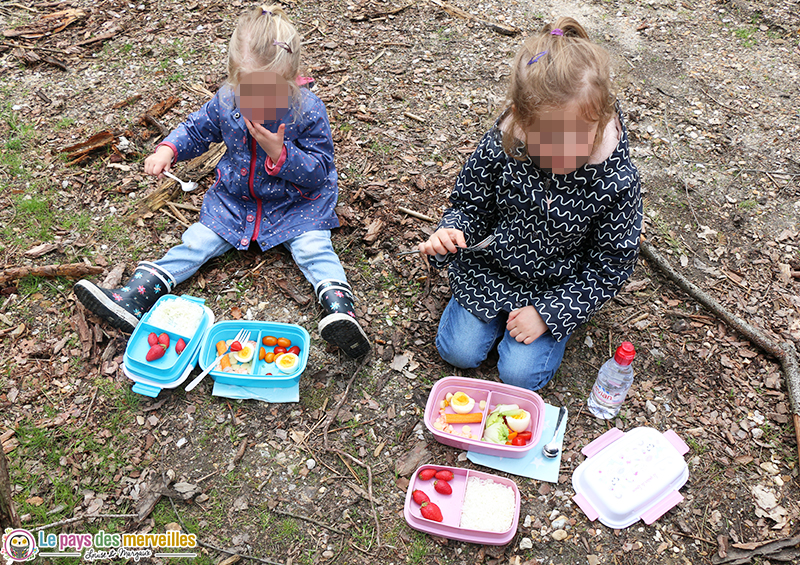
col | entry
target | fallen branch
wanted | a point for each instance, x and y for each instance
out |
(72, 270)
(459, 13)
(784, 352)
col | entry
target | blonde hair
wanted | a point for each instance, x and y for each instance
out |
(553, 70)
(265, 40)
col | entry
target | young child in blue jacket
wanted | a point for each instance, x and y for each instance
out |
(276, 184)
(554, 183)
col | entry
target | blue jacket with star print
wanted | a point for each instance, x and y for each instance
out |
(254, 199)
(565, 243)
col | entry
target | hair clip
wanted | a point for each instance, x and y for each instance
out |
(537, 57)
(264, 11)
(284, 45)
(557, 31)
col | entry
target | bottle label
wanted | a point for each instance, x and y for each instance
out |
(607, 397)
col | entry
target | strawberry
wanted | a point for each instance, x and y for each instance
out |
(442, 487)
(431, 512)
(152, 339)
(427, 474)
(444, 475)
(180, 346)
(156, 352)
(420, 497)
(163, 339)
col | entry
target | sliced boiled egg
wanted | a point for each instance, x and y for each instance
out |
(520, 422)
(287, 362)
(245, 354)
(461, 403)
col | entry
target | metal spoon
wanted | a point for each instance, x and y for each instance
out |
(187, 186)
(552, 449)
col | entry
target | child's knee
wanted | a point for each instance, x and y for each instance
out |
(524, 377)
(457, 354)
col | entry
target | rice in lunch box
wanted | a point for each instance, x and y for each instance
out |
(179, 315)
(488, 506)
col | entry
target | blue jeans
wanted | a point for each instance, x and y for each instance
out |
(312, 251)
(465, 340)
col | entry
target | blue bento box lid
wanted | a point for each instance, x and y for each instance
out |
(172, 366)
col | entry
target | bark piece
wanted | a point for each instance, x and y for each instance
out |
(72, 270)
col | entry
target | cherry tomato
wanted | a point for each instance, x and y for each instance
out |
(283, 342)
(278, 350)
(269, 357)
(518, 441)
(293, 349)
(269, 340)
(525, 435)
(262, 353)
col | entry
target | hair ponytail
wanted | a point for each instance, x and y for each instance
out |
(265, 40)
(557, 67)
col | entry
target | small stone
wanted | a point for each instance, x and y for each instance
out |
(327, 554)
(526, 543)
(559, 523)
(181, 442)
(757, 433)
(559, 535)
(311, 464)
(769, 467)
(650, 407)
(527, 523)
(281, 434)
(593, 560)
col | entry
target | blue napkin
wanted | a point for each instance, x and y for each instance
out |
(273, 395)
(534, 465)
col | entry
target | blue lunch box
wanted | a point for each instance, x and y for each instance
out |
(259, 377)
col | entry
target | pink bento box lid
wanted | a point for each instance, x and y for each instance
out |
(493, 393)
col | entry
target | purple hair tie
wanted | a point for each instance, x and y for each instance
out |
(284, 45)
(264, 12)
(537, 57)
(557, 31)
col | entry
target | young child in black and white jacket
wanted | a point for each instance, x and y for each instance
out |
(553, 182)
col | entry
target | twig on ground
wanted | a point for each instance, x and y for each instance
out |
(418, 215)
(343, 454)
(79, 518)
(680, 166)
(785, 352)
(89, 409)
(307, 519)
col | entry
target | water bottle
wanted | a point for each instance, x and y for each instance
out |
(613, 382)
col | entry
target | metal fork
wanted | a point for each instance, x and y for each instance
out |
(480, 245)
(242, 337)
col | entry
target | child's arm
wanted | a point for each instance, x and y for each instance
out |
(193, 136)
(473, 202)
(614, 248)
(307, 160)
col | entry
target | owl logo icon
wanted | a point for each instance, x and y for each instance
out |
(19, 545)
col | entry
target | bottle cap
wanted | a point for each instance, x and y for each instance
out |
(625, 353)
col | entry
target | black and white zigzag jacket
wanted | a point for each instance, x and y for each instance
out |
(565, 243)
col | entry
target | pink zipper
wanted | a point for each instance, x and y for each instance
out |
(252, 192)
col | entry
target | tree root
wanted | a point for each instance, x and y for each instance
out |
(784, 352)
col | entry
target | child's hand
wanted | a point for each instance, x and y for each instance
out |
(443, 241)
(270, 142)
(159, 161)
(525, 325)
